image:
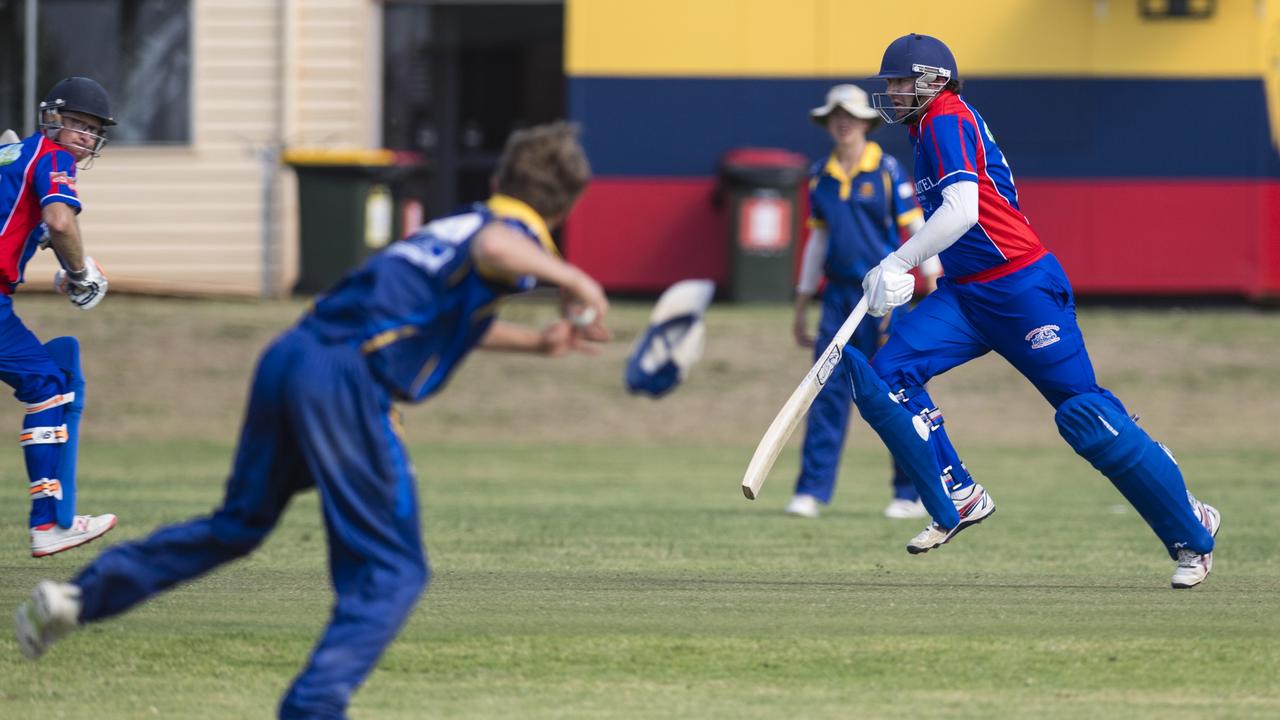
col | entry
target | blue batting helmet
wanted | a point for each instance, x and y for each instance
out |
(914, 54)
(80, 94)
(929, 61)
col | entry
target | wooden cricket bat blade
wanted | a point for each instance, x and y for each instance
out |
(788, 418)
(775, 438)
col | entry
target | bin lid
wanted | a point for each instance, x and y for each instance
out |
(764, 157)
(764, 167)
(350, 157)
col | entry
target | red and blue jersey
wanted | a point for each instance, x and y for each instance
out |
(861, 211)
(33, 173)
(953, 144)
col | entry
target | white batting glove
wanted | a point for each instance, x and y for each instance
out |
(888, 285)
(86, 288)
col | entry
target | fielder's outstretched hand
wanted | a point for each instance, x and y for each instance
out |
(564, 336)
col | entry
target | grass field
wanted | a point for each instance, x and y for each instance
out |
(593, 556)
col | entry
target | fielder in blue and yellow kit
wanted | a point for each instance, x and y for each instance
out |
(858, 200)
(39, 205)
(1003, 291)
(321, 414)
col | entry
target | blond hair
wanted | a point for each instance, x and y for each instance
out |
(545, 167)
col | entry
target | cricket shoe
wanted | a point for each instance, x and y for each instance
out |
(1193, 567)
(973, 504)
(51, 539)
(805, 506)
(52, 611)
(903, 509)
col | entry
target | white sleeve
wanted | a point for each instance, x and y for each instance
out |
(958, 213)
(815, 254)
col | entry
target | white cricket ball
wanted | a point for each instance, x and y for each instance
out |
(584, 317)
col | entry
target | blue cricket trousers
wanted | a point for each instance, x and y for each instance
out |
(316, 417)
(37, 381)
(828, 421)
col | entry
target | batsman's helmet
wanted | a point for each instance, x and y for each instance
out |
(905, 57)
(925, 58)
(82, 95)
(79, 95)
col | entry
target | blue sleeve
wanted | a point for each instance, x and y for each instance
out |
(54, 179)
(951, 145)
(904, 205)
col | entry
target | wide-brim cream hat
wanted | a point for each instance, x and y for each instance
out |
(852, 99)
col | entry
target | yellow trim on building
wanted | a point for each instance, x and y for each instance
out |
(838, 38)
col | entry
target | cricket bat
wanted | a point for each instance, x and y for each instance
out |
(798, 404)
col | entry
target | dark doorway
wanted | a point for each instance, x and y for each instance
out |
(458, 78)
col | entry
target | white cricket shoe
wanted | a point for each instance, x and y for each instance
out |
(84, 529)
(902, 509)
(52, 611)
(1193, 567)
(974, 505)
(805, 506)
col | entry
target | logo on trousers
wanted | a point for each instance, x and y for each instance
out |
(1043, 336)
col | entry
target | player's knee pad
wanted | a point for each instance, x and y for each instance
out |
(65, 353)
(906, 434)
(1102, 432)
(1143, 470)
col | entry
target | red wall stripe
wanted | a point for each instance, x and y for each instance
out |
(1113, 236)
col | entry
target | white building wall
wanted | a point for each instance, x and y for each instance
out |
(266, 74)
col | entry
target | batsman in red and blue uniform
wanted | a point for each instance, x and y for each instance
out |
(859, 198)
(39, 205)
(1003, 292)
(322, 415)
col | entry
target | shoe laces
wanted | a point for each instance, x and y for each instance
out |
(1188, 558)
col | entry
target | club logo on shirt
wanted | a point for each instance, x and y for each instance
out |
(866, 190)
(9, 154)
(924, 185)
(1043, 336)
(60, 177)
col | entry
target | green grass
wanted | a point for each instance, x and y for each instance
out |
(630, 579)
(577, 582)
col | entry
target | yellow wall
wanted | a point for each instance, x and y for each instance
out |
(782, 38)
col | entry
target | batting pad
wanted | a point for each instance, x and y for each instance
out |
(65, 352)
(906, 435)
(1143, 470)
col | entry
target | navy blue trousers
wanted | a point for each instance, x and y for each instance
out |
(828, 421)
(317, 418)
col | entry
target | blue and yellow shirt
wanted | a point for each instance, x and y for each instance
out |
(419, 307)
(861, 212)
